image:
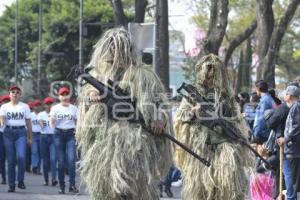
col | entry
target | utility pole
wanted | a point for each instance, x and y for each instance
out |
(80, 32)
(16, 40)
(156, 56)
(39, 49)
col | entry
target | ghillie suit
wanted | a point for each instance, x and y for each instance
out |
(225, 179)
(120, 159)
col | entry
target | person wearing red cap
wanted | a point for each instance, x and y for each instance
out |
(3, 99)
(48, 150)
(36, 138)
(15, 116)
(28, 148)
(63, 117)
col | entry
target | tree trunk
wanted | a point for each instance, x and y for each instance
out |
(239, 39)
(240, 74)
(273, 50)
(120, 18)
(217, 27)
(163, 43)
(140, 10)
(265, 26)
(247, 62)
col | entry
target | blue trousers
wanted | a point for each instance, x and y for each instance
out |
(15, 141)
(49, 156)
(65, 142)
(289, 179)
(2, 157)
(36, 150)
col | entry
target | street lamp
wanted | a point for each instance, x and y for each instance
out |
(16, 41)
(80, 33)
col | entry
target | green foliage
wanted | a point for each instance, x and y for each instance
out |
(60, 38)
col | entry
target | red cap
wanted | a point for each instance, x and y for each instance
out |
(5, 97)
(14, 87)
(30, 104)
(63, 90)
(49, 100)
(37, 103)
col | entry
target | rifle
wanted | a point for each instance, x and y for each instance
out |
(124, 102)
(230, 130)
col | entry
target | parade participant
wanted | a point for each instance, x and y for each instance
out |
(225, 178)
(121, 159)
(48, 150)
(63, 117)
(3, 99)
(36, 138)
(15, 115)
(260, 130)
(28, 147)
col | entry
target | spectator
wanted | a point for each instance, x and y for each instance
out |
(36, 138)
(249, 110)
(277, 101)
(291, 143)
(244, 99)
(260, 130)
(15, 115)
(276, 123)
(4, 99)
(48, 150)
(63, 118)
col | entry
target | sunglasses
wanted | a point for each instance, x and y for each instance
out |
(15, 92)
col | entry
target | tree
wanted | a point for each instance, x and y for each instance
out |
(163, 43)
(271, 56)
(60, 38)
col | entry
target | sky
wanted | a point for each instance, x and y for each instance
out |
(3, 3)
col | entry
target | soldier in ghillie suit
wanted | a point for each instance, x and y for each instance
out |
(225, 179)
(120, 159)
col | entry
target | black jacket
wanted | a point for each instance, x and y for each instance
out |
(277, 120)
(292, 132)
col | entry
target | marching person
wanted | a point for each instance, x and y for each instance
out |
(36, 138)
(48, 150)
(28, 147)
(4, 99)
(63, 118)
(15, 115)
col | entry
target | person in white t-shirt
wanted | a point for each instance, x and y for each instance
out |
(48, 150)
(3, 99)
(63, 118)
(36, 138)
(15, 115)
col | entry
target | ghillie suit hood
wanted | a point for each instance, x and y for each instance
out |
(225, 179)
(120, 159)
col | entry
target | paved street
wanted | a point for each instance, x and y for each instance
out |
(36, 191)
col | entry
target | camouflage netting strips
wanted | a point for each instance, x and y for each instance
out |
(120, 160)
(225, 179)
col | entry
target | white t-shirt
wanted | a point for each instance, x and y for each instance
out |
(15, 115)
(65, 116)
(35, 123)
(45, 117)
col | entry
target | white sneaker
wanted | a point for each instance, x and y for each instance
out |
(177, 183)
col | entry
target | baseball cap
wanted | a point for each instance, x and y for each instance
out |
(63, 90)
(37, 103)
(292, 90)
(49, 100)
(5, 98)
(14, 87)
